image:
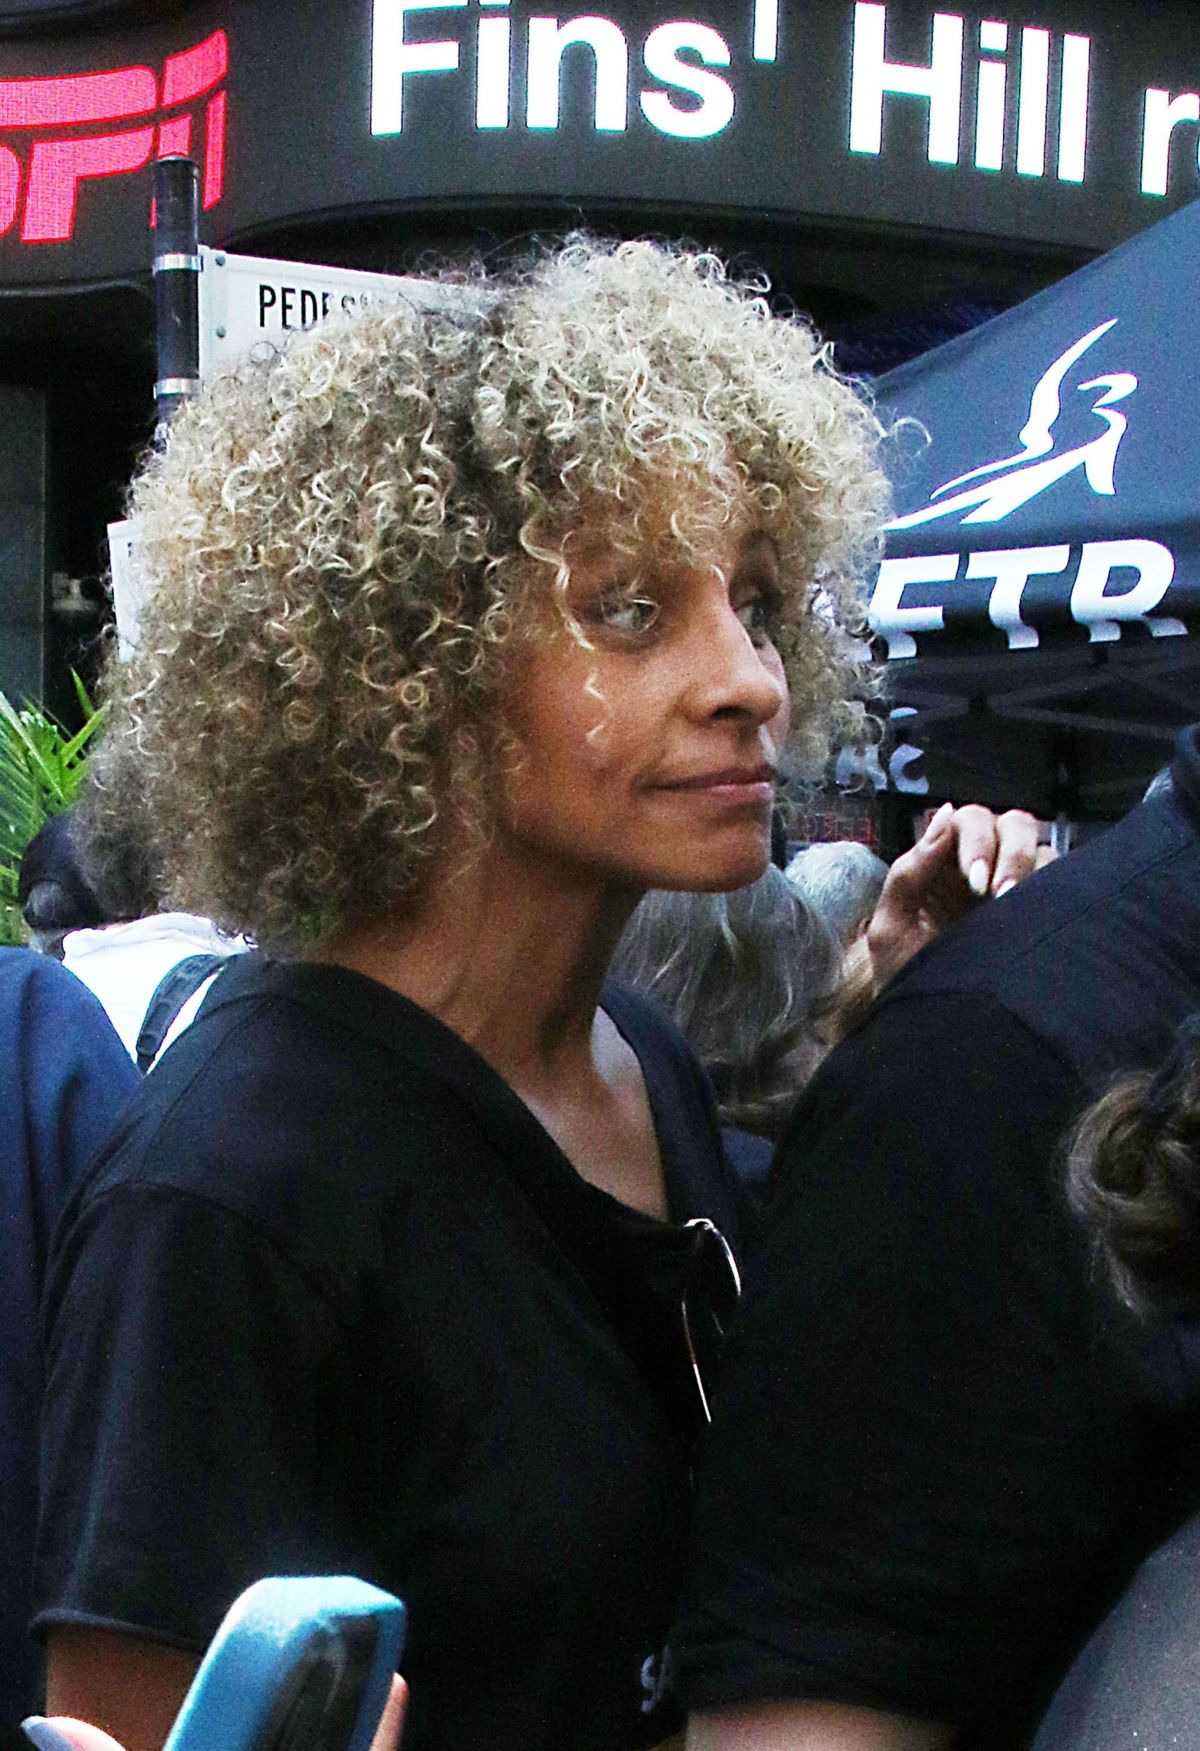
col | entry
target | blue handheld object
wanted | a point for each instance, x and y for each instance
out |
(300, 1663)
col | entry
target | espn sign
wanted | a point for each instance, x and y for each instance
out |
(58, 132)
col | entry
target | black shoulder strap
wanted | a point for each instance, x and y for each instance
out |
(170, 995)
(699, 1179)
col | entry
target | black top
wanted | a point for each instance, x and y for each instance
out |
(939, 1446)
(336, 1302)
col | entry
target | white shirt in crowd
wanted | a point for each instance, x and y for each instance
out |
(123, 964)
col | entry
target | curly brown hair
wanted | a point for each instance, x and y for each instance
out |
(340, 543)
(1134, 1176)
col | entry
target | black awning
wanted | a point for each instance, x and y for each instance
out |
(1047, 473)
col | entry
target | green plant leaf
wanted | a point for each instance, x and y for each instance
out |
(82, 695)
(41, 769)
(71, 750)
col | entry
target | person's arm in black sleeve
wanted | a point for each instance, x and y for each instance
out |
(192, 1419)
(911, 1473)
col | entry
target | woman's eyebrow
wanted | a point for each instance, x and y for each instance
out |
(759, 543)
(759, 552)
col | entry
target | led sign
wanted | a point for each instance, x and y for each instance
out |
(664, 55)
(941, 84)
(40, 183)
(678, 57)
(1073, 123)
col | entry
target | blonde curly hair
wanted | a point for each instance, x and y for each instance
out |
(339, 545)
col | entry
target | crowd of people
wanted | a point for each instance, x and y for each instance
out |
(402, 1234)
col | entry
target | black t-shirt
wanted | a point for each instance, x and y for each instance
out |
(938, 1446)
(335, 1302)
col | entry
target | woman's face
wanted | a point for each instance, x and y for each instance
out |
(649, 759)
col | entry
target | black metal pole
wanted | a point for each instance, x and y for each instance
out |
(176, 284)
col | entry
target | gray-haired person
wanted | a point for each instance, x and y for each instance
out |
(841, 881)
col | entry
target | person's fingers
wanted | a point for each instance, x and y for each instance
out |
(903, 917)
(931, 878)
(1017, 850)
(391, 1721)
(995, 852)
(978, 843)
(64, 1733)
(964, 854)
(1045, 854)
(937, 827)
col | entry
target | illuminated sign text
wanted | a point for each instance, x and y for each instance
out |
(710, 99)
(40, 177)
(682, 78)
(941, 84)
(1063, 124)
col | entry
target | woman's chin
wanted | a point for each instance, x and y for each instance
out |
(717, 875)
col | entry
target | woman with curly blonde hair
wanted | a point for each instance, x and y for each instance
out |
(465, 626)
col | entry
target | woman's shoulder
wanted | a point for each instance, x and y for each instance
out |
(286, 1085)
(272, 1131)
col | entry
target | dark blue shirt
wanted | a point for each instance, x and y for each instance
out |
(64, 1077)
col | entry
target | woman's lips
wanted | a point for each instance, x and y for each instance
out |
(731, 784)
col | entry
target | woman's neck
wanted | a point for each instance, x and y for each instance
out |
(509, 952)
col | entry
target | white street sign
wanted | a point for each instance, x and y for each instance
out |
(248, 300)
(126, 605)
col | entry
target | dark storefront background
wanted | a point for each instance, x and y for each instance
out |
(22, 536)
(373, 134)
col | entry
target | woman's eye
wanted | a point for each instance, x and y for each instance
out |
(630, 616)
(760, 616)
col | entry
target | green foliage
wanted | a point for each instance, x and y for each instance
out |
(41, 769)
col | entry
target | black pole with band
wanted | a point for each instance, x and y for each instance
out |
(176, 284)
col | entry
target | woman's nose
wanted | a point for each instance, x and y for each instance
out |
(739, 676)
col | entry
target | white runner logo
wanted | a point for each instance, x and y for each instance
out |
(1025, 475)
